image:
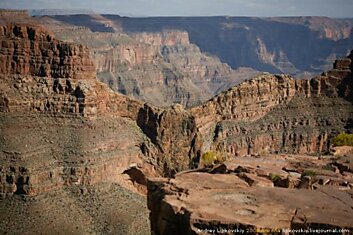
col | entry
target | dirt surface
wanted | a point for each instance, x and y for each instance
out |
(102, 209)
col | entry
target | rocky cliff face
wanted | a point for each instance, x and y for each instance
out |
(159, 67)
(294, 45)
(29, 50)
(39, 103)
(63, 133)
(277, 113)
(171, 131)
(61, 127)
(326, 27)
(53, 80)
(167, 38)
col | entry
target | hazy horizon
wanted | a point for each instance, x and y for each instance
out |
(150, 8)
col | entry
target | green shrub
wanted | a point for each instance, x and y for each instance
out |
(211, 158)
(309, 173)
(343, 139)
(274, 177)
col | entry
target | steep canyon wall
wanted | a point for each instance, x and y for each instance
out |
(294, 45)
(275, 113)
(62, 127)
(71, 129)
(158, 67)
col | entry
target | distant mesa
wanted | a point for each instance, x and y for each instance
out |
(8, 12)
(52, 12)
(300, 46)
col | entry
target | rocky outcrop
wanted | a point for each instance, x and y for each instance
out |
(62, 132)
(30, 50)
(29, 54)
(125, 56)
(272, 113)
(249, 100)
(171, 130)
(44, 76)
(254, 194)
(279, 114)
(61, 127)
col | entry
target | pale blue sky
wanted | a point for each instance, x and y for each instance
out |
(331, 8)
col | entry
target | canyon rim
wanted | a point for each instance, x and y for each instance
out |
(175, 125)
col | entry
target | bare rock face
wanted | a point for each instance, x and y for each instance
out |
(326, 27)
(30, 50)
(267, 114)
(172, 130)
(168, 38)
(310, 47)
(162, 68)
(275, 113)
(272, 193)
(68, 143)
(61, 127)
(249, 100)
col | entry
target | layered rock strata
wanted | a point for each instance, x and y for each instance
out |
(275, 113)
(174, 133)
(61, 127)
(272, 113)
(255, 194)
(161, 68)
(41, 55)
(311, 45)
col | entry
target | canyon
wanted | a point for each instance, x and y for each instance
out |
(188, 60)
(263, 187)
(64, 133)
(78, 158)
(161, 68)
(276, 113)
(300, 46)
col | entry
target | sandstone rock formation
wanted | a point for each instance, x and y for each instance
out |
(61, 127)
(327, 27)
(41, 55)
(275, 113)
(174, 133)
(161, 68)
(67, 139)
(68, 143)
(183, 72)
(255, 194)
(54, 79)
(294, 45)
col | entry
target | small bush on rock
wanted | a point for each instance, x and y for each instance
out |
(275, 177)
(309, 173)
(211, 158)
(343, 139)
